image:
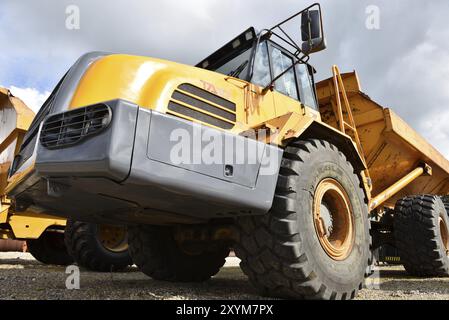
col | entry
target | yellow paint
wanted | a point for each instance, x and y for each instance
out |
(392, 149)
(395, 188)
(18, 177)
(15, 118)
(259, 107)
(24, 114)
(30, 225)
(150, 83)
(6, 234)
(4, 210)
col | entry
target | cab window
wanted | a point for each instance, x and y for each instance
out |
(306, 88)
(287, 83)
(261, 74)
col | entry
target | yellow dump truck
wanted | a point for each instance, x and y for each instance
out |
(241, 151)
(99, 248)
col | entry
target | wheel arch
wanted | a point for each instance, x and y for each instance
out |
(319, 130)
(322, 131)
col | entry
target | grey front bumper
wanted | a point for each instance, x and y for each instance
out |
(126, 173)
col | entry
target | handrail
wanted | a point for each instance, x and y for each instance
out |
(340, 92)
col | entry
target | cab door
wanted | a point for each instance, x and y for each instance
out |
(260, 106)
(287, 97)
(295, 90)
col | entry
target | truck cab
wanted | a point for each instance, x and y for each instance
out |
(270, 59)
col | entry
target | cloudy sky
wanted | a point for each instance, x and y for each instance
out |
(404, 64)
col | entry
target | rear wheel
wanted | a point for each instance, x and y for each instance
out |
(98, 247)
(49, 248)
(157, 254)
(445, 200)
(422, 235)
(315, 241)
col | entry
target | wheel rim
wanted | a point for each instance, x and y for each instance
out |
(444, 235)
(113, 238)
(333, 219)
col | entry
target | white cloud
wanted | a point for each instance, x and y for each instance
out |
(32, 97)
(436, 130)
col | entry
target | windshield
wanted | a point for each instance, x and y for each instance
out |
(234, 58)
(237, 66)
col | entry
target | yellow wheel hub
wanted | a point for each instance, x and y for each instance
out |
(113, 238)
(333, 219)
(444, 235)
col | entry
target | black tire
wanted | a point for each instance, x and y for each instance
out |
(280, 251)
(418, 235)
(445, 200)
(49, 248)
(157, 254)
(372, 261)
(83, 244)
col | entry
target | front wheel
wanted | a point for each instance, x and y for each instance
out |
(95, 247)
(157, 254)
(49, 248)
(315, 241)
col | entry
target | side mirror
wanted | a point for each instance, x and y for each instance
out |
(312, 32)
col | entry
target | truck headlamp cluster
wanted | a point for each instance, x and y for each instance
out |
(67, 128)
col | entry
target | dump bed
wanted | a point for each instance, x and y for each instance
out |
(15, 118)
(392, 148)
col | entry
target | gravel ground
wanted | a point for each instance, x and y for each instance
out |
(22, 277)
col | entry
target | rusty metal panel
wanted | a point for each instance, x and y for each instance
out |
(15, 118)
(12, 245)
(391, 147)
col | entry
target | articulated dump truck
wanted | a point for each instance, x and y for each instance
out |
(50, 239)
(242, 151)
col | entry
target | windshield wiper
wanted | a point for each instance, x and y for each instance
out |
(235, 73)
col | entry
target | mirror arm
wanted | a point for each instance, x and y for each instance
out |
(289, 38)
(295, 15)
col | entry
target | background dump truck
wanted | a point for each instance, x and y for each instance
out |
(325, 174)
(100, 248)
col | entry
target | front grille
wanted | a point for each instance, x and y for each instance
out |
(193, 103)
(65, 129)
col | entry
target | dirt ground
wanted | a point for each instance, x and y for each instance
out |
(22, 277)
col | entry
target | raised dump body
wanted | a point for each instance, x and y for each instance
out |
(15, 118)
(13, 114)
(392, 149)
